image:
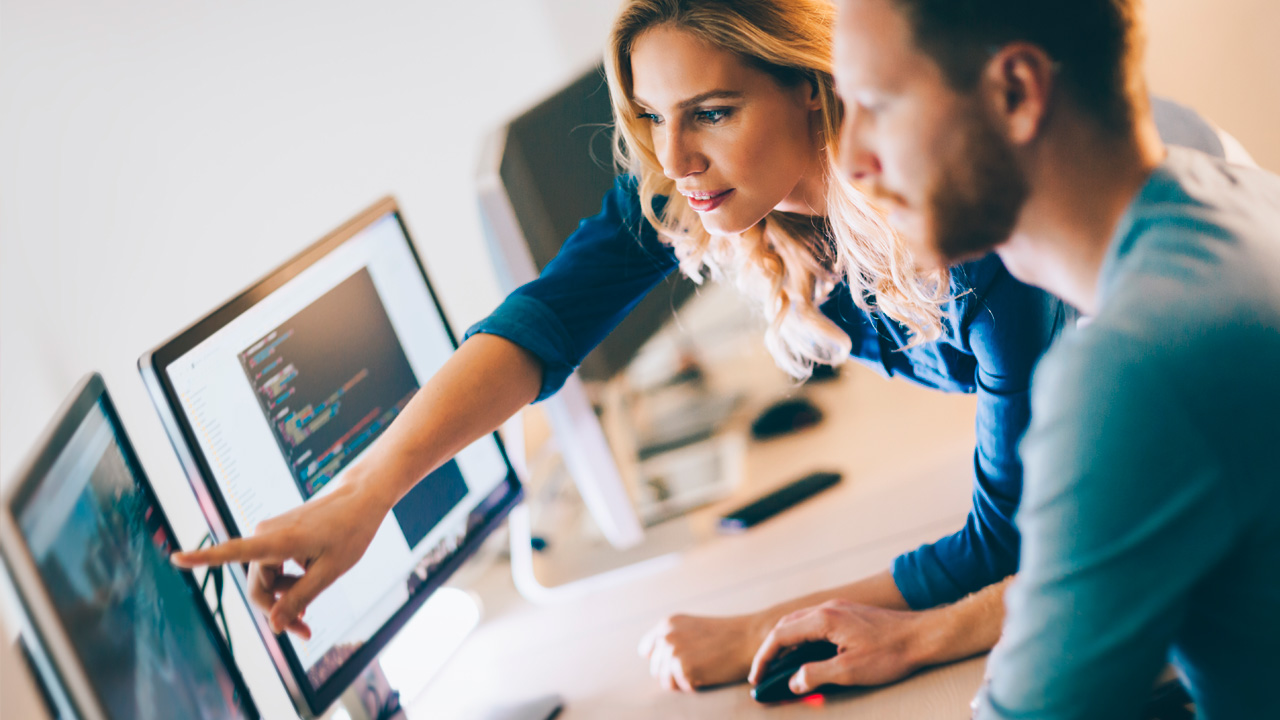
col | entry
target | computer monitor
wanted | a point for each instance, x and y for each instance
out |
(118, 632)
(553, 165)
(271, 397)
(542, 174)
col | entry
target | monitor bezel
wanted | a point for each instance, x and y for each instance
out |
(308, 701)
(51, 639)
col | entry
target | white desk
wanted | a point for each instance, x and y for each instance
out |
(907, 457)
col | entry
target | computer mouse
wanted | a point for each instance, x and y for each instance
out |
(785, 416)
(773, 686)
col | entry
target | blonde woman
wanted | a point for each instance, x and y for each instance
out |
(727, 129)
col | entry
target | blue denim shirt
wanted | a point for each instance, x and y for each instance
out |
(995, 329)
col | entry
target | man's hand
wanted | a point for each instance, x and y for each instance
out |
(877, 646)
(325, 536)
(687, 652)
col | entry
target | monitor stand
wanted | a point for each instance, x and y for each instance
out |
(370, 697)
(543, 708)
(618, 566)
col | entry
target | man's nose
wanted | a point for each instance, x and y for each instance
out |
(857, 161)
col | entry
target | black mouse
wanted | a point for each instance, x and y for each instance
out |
(785, 416)
(773, 686)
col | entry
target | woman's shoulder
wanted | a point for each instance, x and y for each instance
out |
(619, 232)
(977, 277)
(986, 282)
(1001, 317)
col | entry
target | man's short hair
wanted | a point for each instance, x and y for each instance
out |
(1098, 44)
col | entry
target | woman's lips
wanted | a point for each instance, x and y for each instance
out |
(709, 203)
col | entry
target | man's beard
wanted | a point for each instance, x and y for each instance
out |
(978, 194)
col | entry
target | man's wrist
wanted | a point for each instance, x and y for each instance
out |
(933, 637)
(963, 629)
(762, 623)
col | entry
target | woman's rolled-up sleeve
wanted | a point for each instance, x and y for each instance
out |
(602, 271)
(1007, 326)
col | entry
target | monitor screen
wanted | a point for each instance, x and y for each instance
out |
(100, 545)
(279, 392)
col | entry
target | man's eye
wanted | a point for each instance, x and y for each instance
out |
(651, 117)
(711, 117)
(870, 106)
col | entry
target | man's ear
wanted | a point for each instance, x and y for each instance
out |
(1017, 86)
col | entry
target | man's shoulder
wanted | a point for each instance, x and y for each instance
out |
(1200, 244)
(1202, 192)
(1166, 344)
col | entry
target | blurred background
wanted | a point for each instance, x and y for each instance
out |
(156, 157)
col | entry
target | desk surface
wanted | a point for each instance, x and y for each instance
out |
(907, 457)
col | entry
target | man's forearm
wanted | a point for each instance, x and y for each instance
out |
(944, 634)
(878, 590)
(965, 628)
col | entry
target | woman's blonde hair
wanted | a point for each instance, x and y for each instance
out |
(789, 263)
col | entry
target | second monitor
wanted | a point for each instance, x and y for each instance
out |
(272, 397)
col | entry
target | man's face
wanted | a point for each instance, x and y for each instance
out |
(930, 156)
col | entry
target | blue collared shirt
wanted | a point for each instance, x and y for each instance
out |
(994, 331)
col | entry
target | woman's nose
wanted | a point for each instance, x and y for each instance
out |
(680, 156)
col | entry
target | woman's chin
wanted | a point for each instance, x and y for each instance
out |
(717, 224)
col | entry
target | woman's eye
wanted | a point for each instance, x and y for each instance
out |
(650, 117)
(711, 117)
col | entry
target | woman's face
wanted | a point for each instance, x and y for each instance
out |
(736, 142)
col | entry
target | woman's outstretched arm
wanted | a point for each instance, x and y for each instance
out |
(485, 382)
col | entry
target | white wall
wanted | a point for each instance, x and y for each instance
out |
(157, 156)
(1223, 59)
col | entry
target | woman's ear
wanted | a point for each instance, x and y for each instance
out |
(815, 95)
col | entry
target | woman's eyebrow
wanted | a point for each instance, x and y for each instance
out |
(697, 99)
